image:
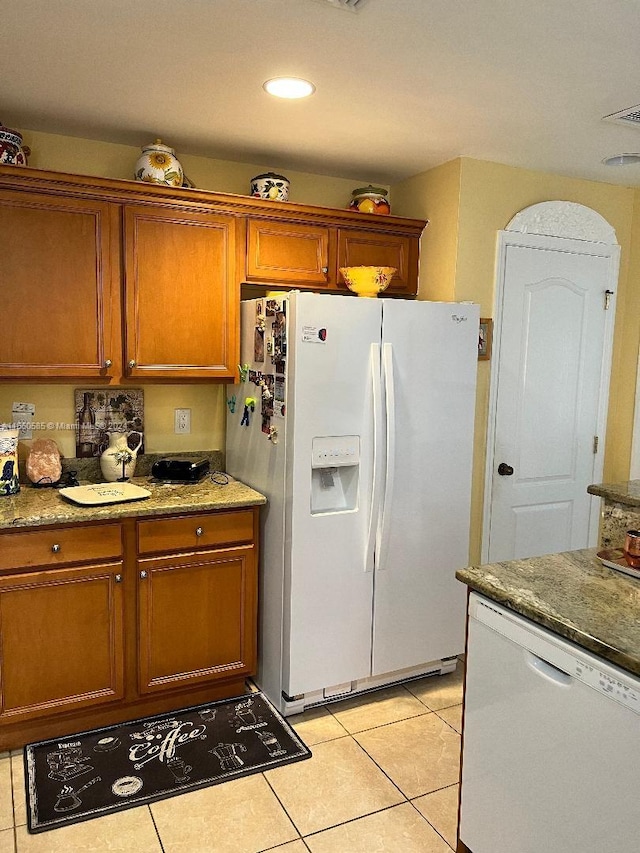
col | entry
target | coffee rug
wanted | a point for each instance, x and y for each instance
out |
(101, 771)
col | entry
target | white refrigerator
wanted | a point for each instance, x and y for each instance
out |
(354, 417)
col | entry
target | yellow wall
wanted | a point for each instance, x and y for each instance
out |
(54, 403)
(434, 195)
(109, 160)
(490, 194)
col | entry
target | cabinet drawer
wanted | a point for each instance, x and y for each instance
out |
(195, 531)
(57, 547)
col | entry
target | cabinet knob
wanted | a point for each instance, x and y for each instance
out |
(132, 362)
(118, 578)
(143, 575)
(55, 548)
(199, 531)
(107, 362)
(325, 270)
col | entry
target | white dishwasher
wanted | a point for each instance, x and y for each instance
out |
(551, 755)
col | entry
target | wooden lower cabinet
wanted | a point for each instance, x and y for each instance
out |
(62, 640)
(195, 617)
(95, 642)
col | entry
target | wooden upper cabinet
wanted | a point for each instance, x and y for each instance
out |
(282, 252)
(59, 280)
(181, 293)
(366, 248)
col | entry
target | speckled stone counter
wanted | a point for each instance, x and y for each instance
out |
(572, 594)
(620, 510)
(33, 507)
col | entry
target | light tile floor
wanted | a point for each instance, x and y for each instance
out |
(383, 778)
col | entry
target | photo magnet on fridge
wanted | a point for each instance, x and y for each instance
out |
(258, 345)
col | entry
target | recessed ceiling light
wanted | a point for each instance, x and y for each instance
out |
(289, 87)
(622, 160)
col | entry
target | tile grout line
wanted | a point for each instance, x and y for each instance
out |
(293, 823)
(434, 828)
(155, 826)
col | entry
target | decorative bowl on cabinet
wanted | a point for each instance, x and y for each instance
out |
(367, 281)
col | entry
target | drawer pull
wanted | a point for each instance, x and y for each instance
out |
(118, 578)
(143, 575)
(199, 531)
(55, 548)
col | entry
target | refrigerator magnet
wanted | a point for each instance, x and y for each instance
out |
(258, 345)
(314, 335)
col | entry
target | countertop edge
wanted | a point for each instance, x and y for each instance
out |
(53, 510)
(483, 586)
(622, 493)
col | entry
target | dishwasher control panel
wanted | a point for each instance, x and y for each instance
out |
(608, 685)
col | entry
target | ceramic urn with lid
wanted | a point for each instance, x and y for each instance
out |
(158, 164)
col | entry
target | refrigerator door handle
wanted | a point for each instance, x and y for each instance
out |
(382, 539)
(376, 395)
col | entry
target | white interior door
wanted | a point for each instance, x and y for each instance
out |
(550, 392)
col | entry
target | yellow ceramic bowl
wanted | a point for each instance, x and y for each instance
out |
(367, 281)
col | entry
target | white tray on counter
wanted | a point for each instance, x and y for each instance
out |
(104, 493)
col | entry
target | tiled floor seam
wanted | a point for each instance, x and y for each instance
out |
(390, 723)
(433, 826)
(281, 804)
(359, 817)
(153, 821)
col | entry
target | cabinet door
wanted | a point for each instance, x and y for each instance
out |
(59, 280)
(280, 252)
(62, 640)
(366, 248)
(197, 618)
(181, 293)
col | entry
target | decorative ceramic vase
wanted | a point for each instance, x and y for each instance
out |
(370, 200)
(9, 484)
(159, 165)
(367, 281)
(271, 186)
(10, 145)
(118, 461)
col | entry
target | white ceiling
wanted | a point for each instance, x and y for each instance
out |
(402, 85)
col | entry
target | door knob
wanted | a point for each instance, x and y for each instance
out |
(132, 363)
(505, 470)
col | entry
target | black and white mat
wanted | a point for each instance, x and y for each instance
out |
(102, 771)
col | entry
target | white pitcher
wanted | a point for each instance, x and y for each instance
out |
(118, 461)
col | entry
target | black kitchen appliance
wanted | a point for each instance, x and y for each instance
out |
(180, 470)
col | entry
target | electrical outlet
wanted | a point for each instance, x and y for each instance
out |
(182, 421)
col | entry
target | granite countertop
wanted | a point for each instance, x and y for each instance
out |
(33, 507)
(574, 595)
(625, 493)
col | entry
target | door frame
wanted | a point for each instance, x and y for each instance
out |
(553, 225)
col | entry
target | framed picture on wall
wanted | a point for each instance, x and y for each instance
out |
(484, 338)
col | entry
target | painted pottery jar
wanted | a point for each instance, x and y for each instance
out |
(271, 186)
(118, 461)
(370, 200)
(10, 145)
(9, 484)
(158, 164)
